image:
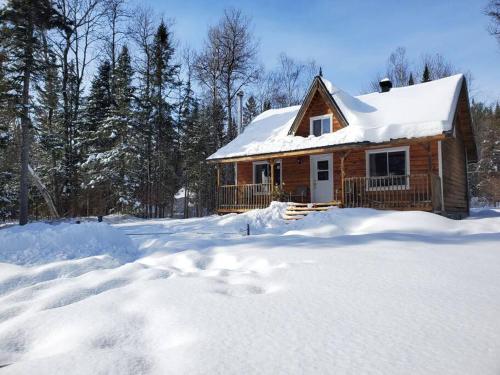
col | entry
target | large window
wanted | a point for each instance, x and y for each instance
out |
(320, 125)
(262, 172)
(388, 167)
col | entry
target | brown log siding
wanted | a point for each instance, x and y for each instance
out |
(454, 175)
(297, 174)
(318, 107)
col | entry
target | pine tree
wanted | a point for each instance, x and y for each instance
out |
(192, 148)
(267, 105)
(49, 129)
(121, 166)
(411, 82)
(250, 111)
(95, 138)
(165, 152)
(23, 22)
(9, 181)
(426, 75)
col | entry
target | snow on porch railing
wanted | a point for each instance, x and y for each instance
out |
(416, 191)
(243, 197)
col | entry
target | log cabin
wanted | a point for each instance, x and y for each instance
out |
(403, 148)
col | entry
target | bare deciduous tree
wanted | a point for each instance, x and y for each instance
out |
(438, 66)
(287, 84)
(228, 61)
(239, 50)
(493, 10)
(115, 13)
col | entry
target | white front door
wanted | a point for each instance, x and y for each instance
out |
(321, 178)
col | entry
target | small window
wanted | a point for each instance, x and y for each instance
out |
(262, 173)
(388, 163)
(317, 130)
(322, 170)
(325, 125)
(321, 125)
(323, 165)
(378, 164)
(322, 175)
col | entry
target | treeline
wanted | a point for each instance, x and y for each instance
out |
(104, 110)
(101, 111)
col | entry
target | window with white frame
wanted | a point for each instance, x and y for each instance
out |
(388, 167)
(320, 125)
(262, 172)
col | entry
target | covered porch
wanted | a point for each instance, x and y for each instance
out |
(417, 192)
(372, 178)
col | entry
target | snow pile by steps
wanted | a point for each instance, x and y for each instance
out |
(266, 220)
(359, 221)
(40, 243)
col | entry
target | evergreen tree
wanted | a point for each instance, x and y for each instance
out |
(411, 82)
(96, 138)
(250, 111)
(426, 75)
(9, 181)
(49, 129)
(22, 24)
(122, 166)
(267, 105)
(193, 144)
(111, 168)
(165, 151)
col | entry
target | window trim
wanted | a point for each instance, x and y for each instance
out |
(406, 149)
(311, 119)
(261, 162)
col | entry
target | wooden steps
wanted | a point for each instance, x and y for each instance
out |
(297, 211)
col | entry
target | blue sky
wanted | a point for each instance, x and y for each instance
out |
(351, 40)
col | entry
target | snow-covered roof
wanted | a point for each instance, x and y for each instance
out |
(420, 110)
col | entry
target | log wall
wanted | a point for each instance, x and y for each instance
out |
(455, 176)
(318, 107)
(296, 170)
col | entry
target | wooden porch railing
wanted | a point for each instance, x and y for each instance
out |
(236, 198)
(415, 191)
(410, 192)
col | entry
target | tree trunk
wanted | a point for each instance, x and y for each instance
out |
(44, 192)
(25, 133)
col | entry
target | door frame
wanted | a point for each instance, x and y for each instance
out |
(312, 169)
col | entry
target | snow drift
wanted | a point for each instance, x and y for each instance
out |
(352, 291)
(43, 243)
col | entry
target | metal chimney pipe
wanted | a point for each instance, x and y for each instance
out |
(240, 111)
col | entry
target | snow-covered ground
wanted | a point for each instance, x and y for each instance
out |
(352, 291)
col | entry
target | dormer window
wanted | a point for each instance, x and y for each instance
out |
(320, 125)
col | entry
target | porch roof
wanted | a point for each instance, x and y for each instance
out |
(418, 111)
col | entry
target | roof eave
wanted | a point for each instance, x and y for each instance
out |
(332, 148)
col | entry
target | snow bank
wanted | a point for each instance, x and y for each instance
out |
(42, 243)
(359, 221)
(267, 220)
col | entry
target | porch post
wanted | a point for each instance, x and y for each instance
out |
(217, 190)
(271, 166)
(429, 172)
(217, 167)
(342, 175)
(429, 157)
